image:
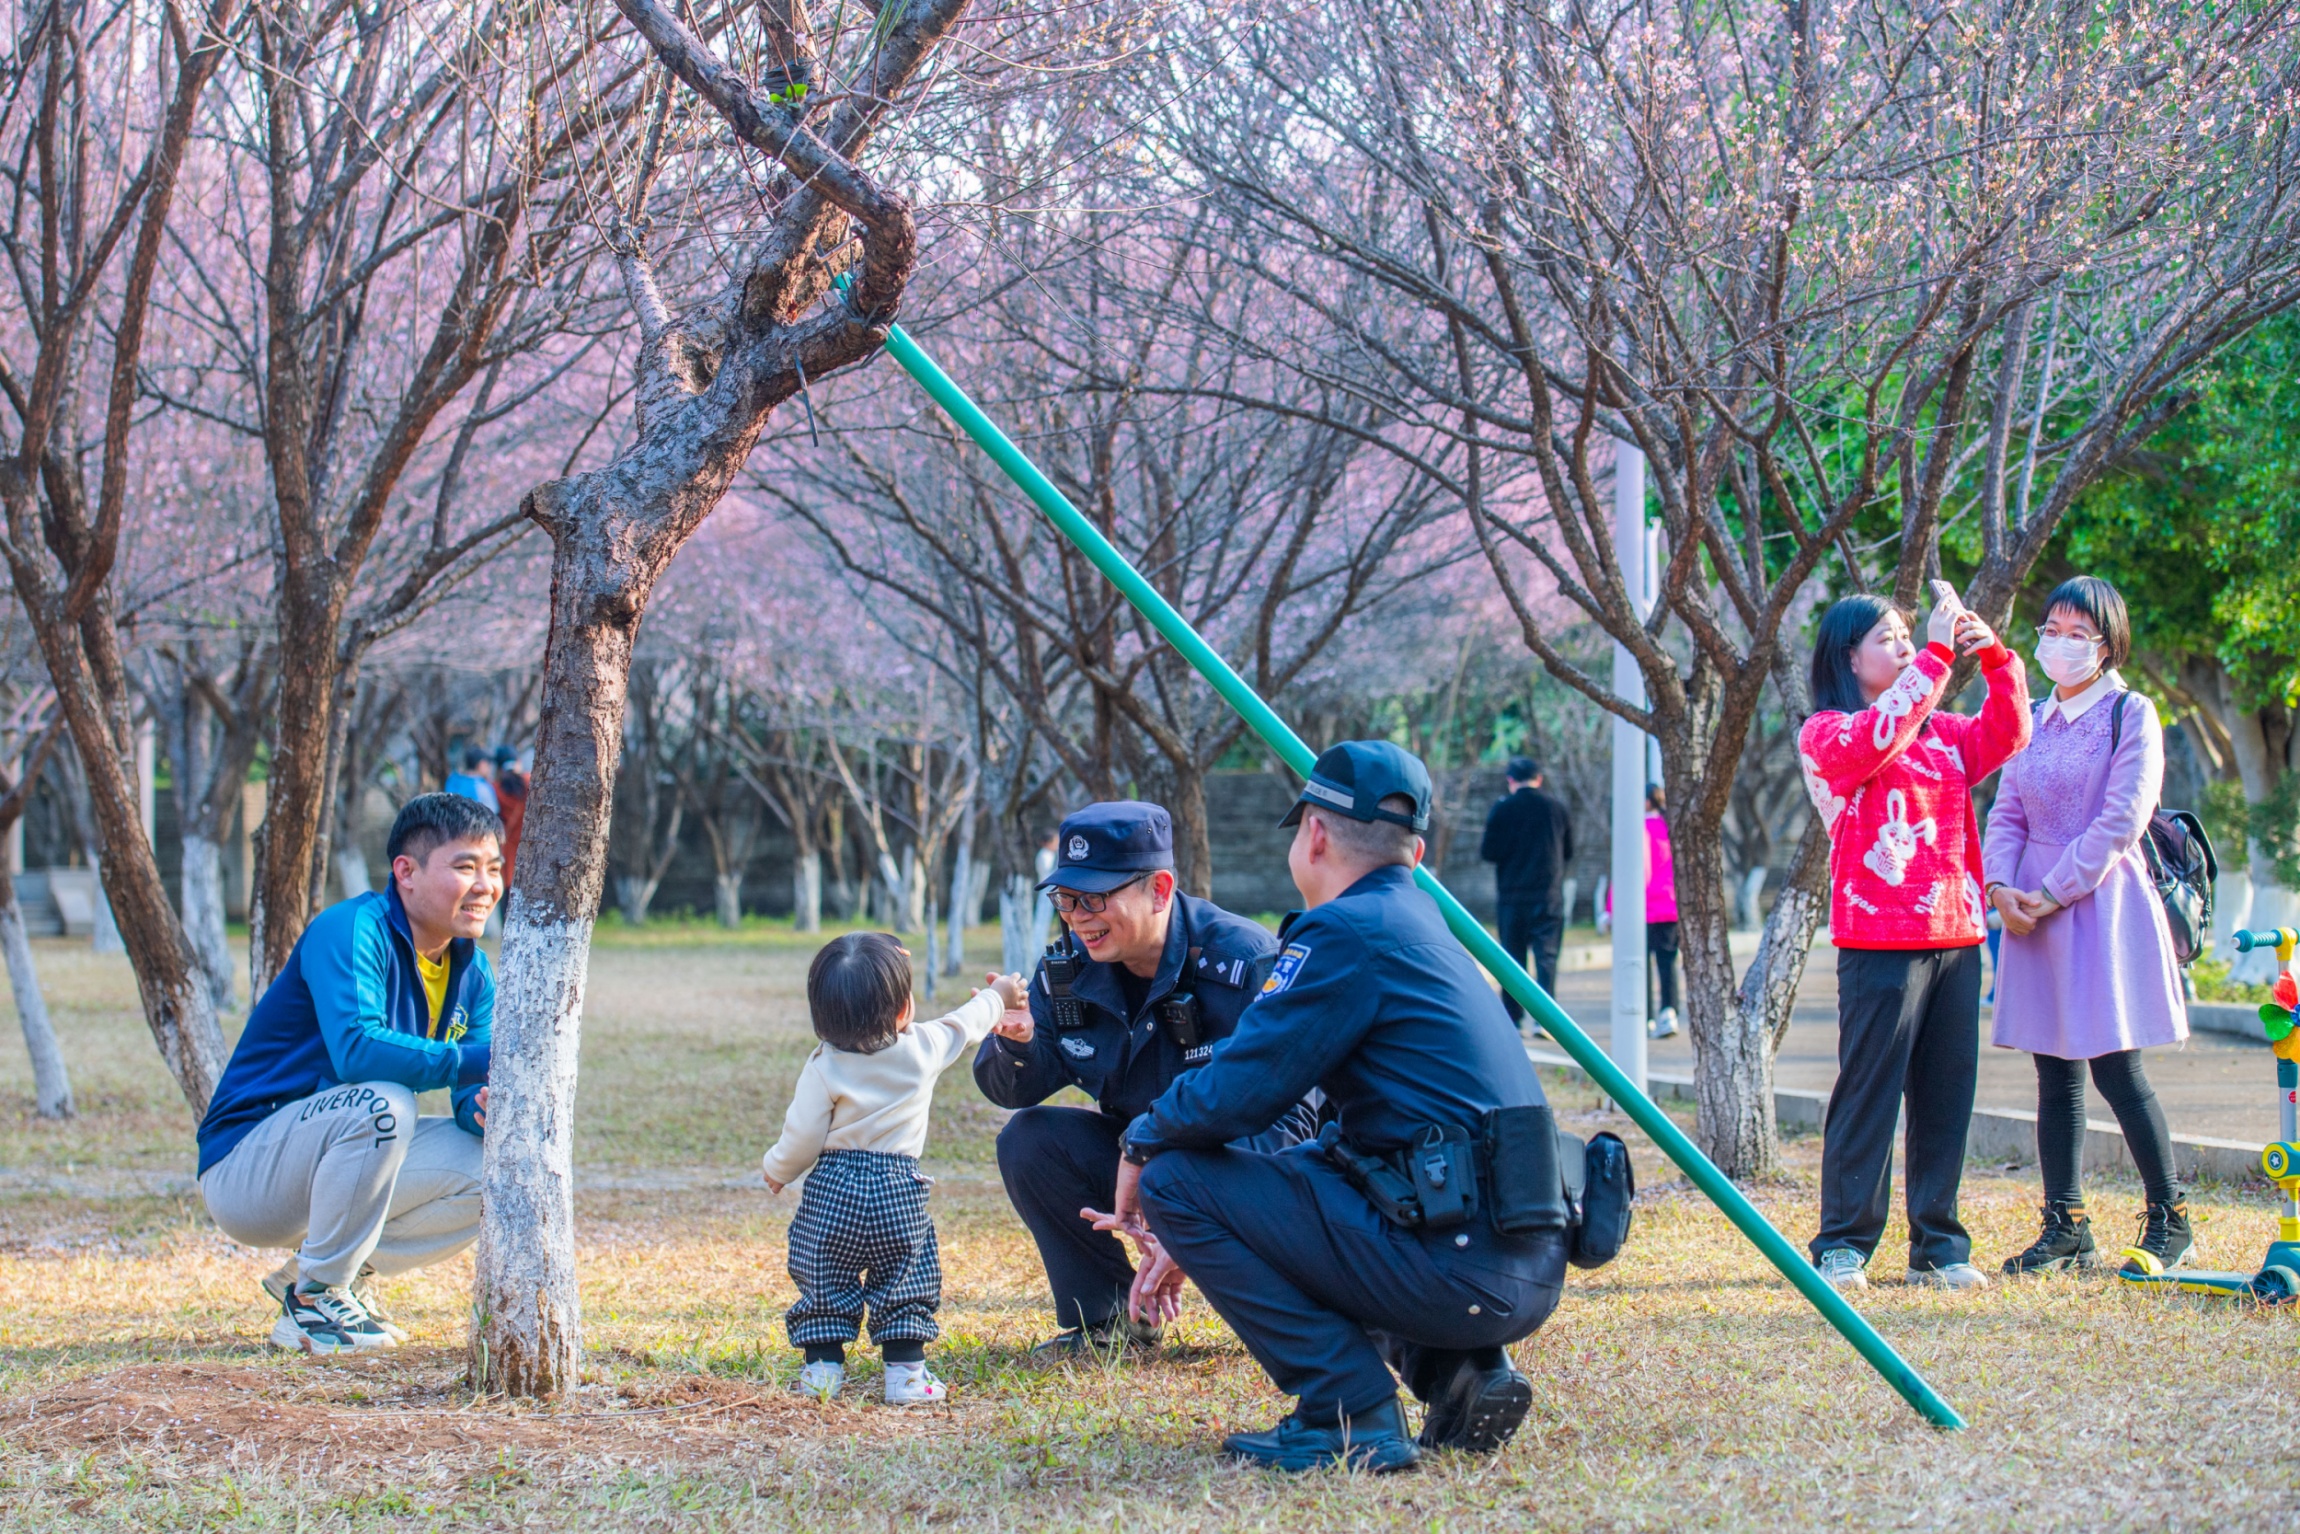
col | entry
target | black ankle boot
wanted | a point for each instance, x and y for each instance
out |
(2167, 1240)
(2066, 1242)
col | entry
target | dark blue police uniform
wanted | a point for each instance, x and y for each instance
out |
(1116, 1041)
(1373, 1002)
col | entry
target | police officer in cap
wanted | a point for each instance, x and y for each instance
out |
(1425, 1229)
(1142, 983)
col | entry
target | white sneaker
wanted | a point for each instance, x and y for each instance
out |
(1664, 1026)
(1843, 1268)
(822, 1380)
(913, 1385)
(1955, 1275)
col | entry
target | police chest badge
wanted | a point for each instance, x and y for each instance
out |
(1077, 1048)
(1288, 966)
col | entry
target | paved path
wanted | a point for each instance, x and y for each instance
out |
(2214, 1085)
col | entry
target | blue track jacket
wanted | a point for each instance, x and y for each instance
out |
(349, 1007)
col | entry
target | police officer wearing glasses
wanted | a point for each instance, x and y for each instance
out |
(1426, 1228)
(1142, 983)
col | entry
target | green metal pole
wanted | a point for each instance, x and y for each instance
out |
(1280, 738)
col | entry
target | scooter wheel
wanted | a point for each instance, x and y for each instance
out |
(2277, 1285)
(2145, 1262)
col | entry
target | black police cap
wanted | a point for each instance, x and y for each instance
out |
(1105, 845)
(1354, 778)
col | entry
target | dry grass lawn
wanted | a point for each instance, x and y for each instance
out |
(1683, 1387)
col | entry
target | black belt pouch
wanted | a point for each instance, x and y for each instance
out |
(1525, 1191)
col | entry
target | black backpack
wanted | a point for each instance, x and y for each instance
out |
(2180, 863)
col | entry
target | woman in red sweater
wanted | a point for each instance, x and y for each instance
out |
(1892, 777)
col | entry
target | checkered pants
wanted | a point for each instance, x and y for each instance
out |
(862, 1239)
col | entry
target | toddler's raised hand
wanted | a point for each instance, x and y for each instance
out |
(1016, 1024)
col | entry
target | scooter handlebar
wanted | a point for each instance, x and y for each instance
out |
(2282, 939)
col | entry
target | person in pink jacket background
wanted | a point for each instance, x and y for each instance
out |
(1660, 913)
(2086, 975)
(1891, 774)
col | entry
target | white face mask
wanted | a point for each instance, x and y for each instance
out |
(2068, 661)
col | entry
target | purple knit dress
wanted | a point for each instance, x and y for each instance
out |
(2096, 976)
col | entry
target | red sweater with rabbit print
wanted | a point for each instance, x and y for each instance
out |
(1894, 785)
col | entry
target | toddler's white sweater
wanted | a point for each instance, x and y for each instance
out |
(879, 1101)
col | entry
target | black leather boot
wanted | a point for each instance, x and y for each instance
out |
(1478, 1409)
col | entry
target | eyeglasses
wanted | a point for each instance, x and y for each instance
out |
(1068, 901)
(2045, 632)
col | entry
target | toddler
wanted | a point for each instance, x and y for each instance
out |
(861, 1239)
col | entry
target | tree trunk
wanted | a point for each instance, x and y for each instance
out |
(51, 1083)
(728, 890)
(203, 897)
(106, 936)
(961, 885)
(1193, 851)
(295, 794)
(1014, 925)
(807, 891)
(173, 989)
(1732, 1044)
(527, 1326)
(634, 893)
(351, 872)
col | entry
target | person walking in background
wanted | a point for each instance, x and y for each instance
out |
(511, 796)
(1891, 776)
(2087, 974)
(1660, 914)
(475, 780)
(1528, 840)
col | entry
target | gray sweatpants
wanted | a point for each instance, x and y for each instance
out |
(354, 1179)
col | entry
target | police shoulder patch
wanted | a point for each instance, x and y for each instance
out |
(1229, 972)
(1289, 965)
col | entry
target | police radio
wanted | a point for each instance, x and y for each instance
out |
(1062, 966)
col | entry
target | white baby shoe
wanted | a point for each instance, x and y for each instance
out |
(821, 1380)
(913, 1385)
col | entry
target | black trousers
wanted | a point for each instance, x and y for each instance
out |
(1661, 944)
(1327, 1295)
(1055, 1162)
(1530, 925)
(2060, 1123)
(1908, 1028)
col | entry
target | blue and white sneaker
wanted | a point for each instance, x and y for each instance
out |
(1843, 1268)
(281, 1279)
(323, 1321)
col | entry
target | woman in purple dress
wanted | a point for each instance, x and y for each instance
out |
(2087, 975)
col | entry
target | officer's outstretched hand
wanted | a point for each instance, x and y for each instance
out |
(1125, 1217)
(1016, 1024)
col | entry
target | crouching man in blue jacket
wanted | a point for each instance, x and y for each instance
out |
(312, 1139)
